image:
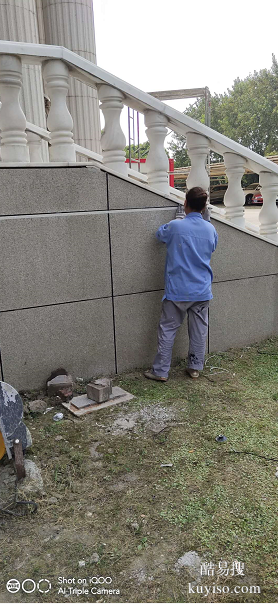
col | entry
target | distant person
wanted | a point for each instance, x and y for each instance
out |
(188, 277)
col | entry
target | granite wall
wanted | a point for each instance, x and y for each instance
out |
(82, 276)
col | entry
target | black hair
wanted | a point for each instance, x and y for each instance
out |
(196, 199)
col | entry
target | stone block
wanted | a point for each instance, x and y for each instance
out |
(239, 255)
(81, 401)
(32, 484)
(136, 337)
(100, 390)
(64, 190)
(126, 195)
(53, 259)
(37, 406)
(78, 336)
(242, 312)
(138, 258)
(62, 386)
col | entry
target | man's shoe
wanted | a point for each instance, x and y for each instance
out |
(193, 373)
(151, 376)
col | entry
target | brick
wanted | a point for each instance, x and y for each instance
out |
(100, 390)
(61, 386)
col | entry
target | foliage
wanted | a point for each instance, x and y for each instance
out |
(246, 113)
(144, 150)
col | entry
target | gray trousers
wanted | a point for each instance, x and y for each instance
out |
(172, 316)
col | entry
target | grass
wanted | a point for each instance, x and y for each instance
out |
(140, 518)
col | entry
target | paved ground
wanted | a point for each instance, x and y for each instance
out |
(251, 213)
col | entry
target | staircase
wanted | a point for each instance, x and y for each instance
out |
(81, 271)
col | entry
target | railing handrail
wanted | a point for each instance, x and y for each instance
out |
(42, 133)
(45, 135)
(92, 155)
(91, 74)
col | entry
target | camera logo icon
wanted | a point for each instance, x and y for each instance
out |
(44, 586)
(13, 586)
(28, 586)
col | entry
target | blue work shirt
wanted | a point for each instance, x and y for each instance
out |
(190, 243)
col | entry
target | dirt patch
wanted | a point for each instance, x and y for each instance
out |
(93, 450)
(125, 481)
(190, 561)
(151, 418)
(152, 563)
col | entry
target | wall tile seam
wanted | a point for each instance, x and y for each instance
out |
(137, 293)
(90, 166)
(111, 277)
(243, 230)
(215, 281)
(54, 304)
(82, 213)
(149, 291)
(111, 297)
(58, 165)
(140, 185)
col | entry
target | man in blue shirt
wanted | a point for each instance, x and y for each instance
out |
(188, 277)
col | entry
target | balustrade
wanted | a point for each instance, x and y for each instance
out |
(234, 197)
(112, 139)
(198, 149)
(157, 164)
(21, 142)
(35, 147)
(12, 119)
(268, 216)
(59, 120)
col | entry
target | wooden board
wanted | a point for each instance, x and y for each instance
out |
(118, 396)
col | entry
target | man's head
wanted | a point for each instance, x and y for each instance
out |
(195, 200)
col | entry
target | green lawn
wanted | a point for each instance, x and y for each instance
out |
(140, 518)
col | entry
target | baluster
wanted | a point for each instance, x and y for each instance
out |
(59, 120)
(198, 149)
(112, 139)
(268, 216)
(12, 119)
(157, 163)
(234, 197)
(35, 147)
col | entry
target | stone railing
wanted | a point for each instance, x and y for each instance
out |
(21, 141)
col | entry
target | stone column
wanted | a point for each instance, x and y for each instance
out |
(12, 119)
(157, 164)
(35, 147)
(70, 23)
(59, 121)
(234, 197)
(198, 148)
(268, 216)
(112, 139)
(18, 23)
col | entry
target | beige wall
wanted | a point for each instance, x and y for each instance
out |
(82, 276)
